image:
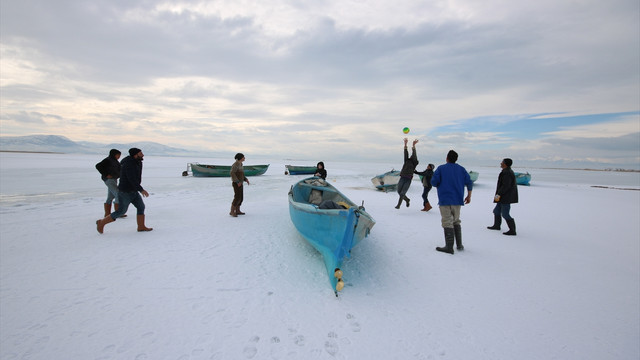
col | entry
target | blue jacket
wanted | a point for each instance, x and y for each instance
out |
(450, 179)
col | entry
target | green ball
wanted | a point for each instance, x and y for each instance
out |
(405, 130)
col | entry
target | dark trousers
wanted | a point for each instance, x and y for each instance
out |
(238, 194)
(503, 210)
(403, 186)
(425, 195)
(126, 198)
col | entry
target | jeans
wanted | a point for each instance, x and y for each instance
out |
(425, 195)
(403, 186)
(112, 191)
(503, 210)
(125, 199)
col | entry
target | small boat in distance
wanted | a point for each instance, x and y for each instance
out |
(522, 178)
(203, 170)
(473, 175)
(300, 170)
(387, 181)
(329, 221)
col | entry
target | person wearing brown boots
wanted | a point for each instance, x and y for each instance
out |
(506, 194)
(237, 177)
(129, 191)
(427, 174)
(450, 179)
(109, 169)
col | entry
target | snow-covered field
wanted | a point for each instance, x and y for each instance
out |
(204, 285)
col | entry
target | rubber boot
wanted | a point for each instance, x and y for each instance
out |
(512, 227)
(457, 231)
(102, 222)
(233, 212)
(141, 226)
(116, 207)
(107, 209)
(399, 203)
(407, 200)
(448, 240)
(238, 210)
(497, 220)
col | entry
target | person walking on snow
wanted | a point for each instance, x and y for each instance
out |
(109, 169)
(451, 179)
(129, 191)
(406, 174)
(506, 194)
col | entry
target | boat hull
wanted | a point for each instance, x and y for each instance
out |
(387, 181)
(522, 178)
(203, 170)
(473, 175)
(332, 232)
(300, 170)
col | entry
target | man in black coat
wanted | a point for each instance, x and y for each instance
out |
(130, 189)
(506, 194)
(109, 169)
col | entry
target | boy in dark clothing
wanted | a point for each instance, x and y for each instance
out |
(506, 194)
(426, 183)
(406, 174)
(321, 171)
(109, 169)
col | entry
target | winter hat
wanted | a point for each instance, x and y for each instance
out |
(134, 151)
(507, 162)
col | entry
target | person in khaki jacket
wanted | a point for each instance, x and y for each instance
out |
(237, 177)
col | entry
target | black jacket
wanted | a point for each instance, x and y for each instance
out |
(109, 166)
(410, 163)
(426, 177)
(507, 187)
(131, 175)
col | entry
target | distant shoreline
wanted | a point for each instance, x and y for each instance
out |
(545, 168)
(31, 152)
(587, 169)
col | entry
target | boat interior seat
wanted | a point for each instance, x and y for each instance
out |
(314, 194)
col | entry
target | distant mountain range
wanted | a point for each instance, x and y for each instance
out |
(61, 144)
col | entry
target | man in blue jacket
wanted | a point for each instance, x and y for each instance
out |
(451, 179)
(129, 191)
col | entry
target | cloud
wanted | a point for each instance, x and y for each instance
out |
(628, 125)
(335, 75)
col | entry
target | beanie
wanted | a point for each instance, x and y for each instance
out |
(134, 151)
(507, 162)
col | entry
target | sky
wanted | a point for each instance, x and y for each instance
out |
(549, 82)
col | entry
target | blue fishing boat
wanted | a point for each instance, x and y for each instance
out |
(329, 221)
(203, 170)
(522, 178)
(473, 175)
(387, 181)
(300, 170)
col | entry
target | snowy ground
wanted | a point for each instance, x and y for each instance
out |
(204, 285)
